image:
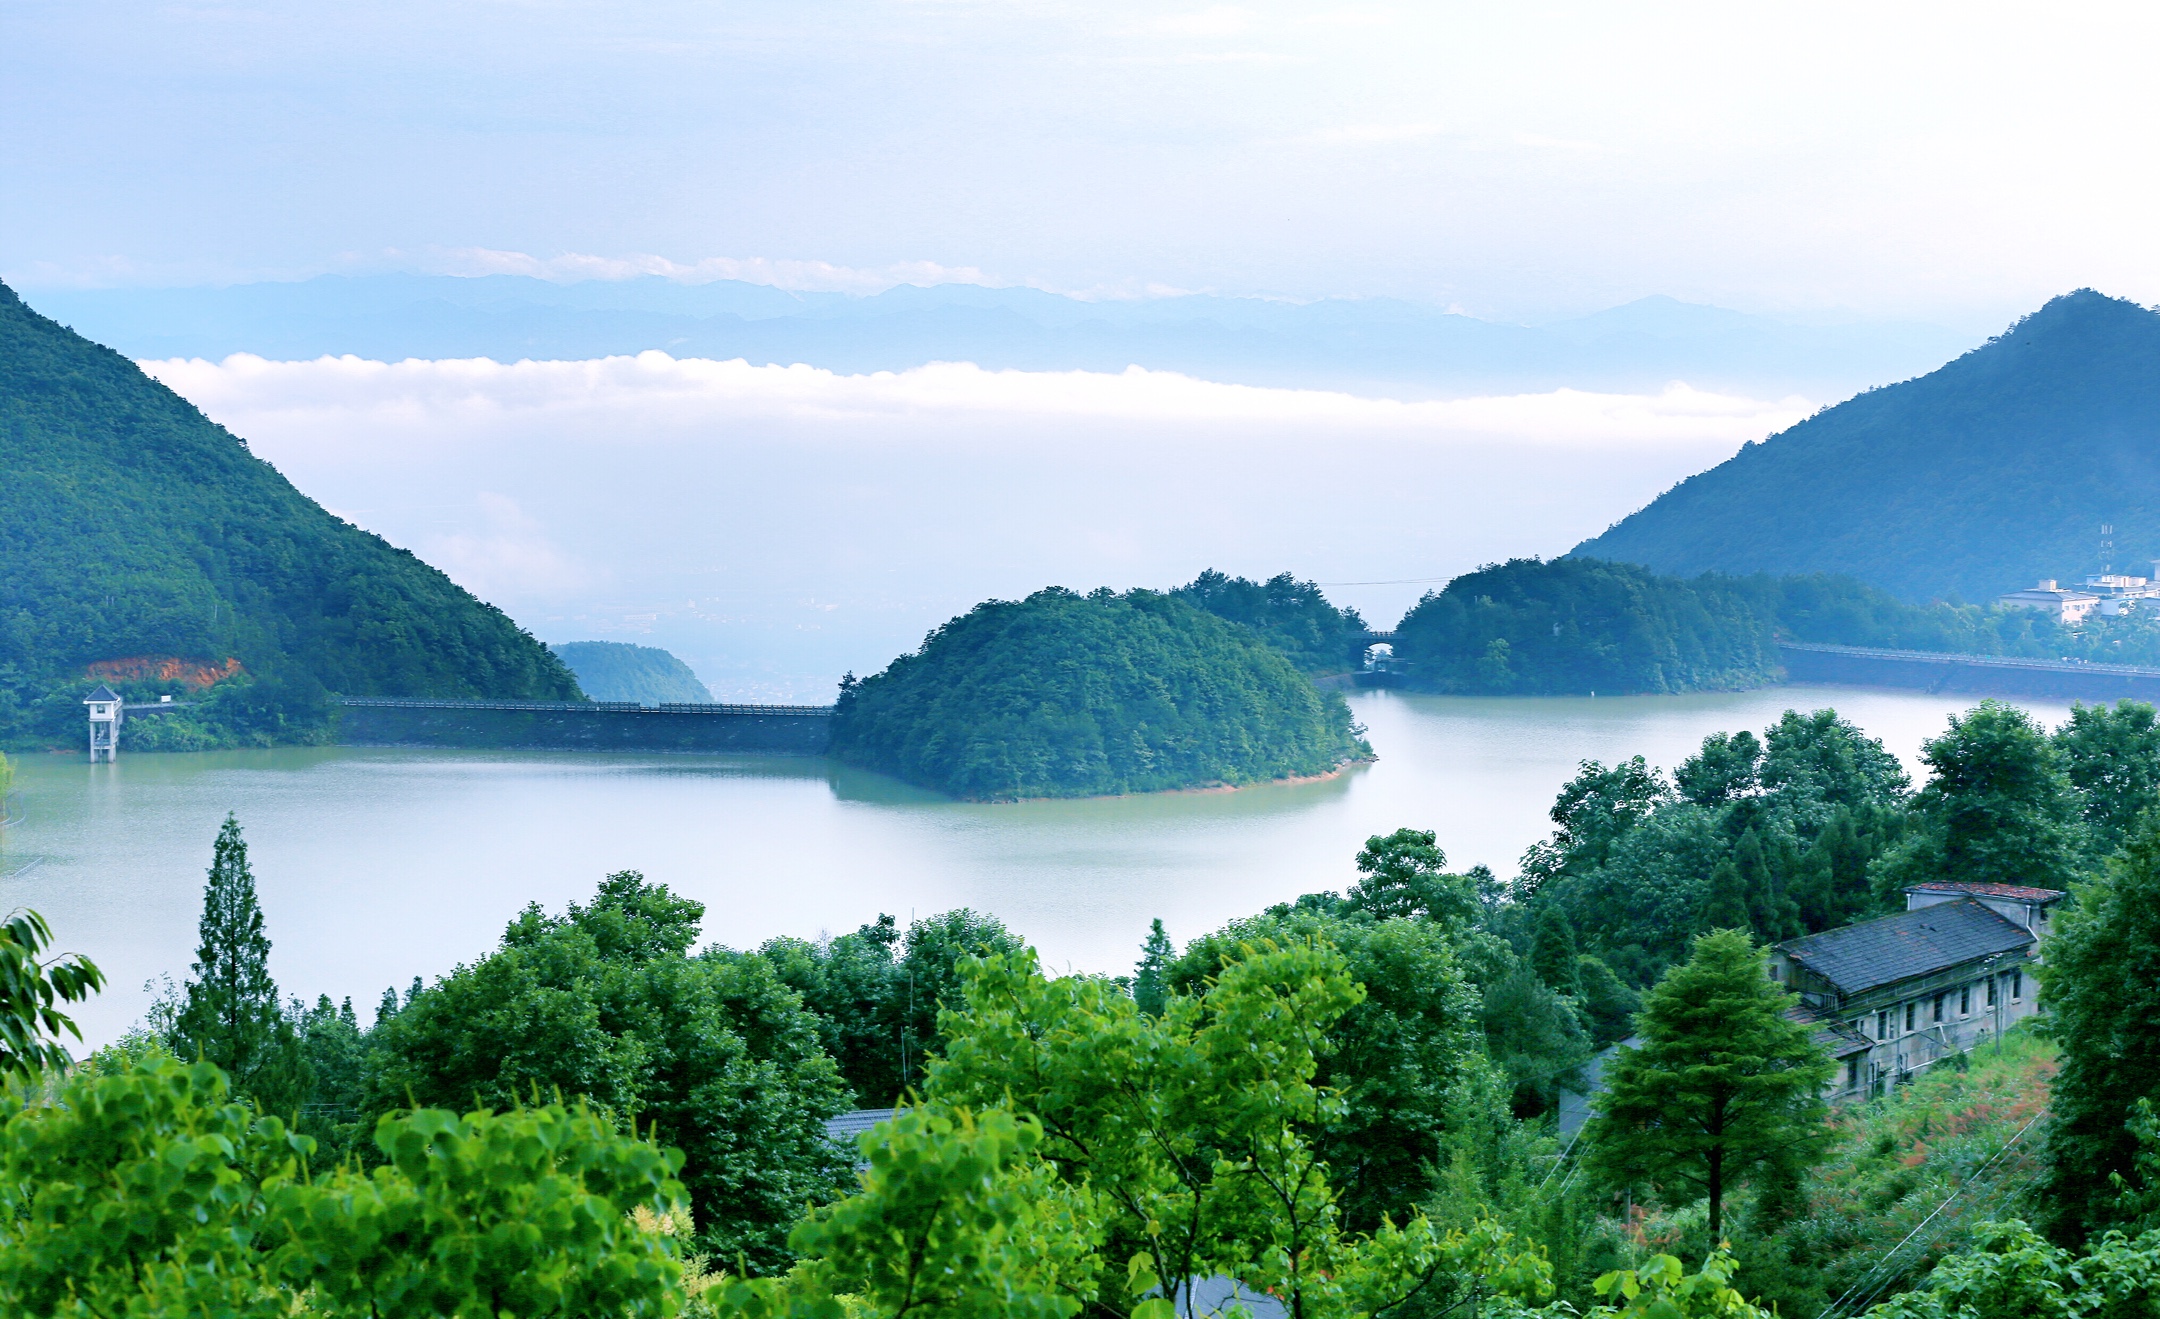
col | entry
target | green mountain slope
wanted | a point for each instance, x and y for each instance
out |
(618, 671)
(1994, 471)
(132, 526)
(1065, 695)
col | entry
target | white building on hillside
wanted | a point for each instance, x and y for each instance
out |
(2067, 606)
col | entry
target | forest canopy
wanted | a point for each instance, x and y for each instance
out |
(136, 529)
(1529, 627)
(1065, 695)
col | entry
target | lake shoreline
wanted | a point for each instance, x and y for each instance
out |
(1292, 781)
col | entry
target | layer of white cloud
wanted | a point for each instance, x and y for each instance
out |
(656, 385)
(798, 276)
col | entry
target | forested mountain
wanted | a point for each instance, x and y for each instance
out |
(1065, 695)
(134, 528)
(1996, 470)
(1581, 625)
(618, 671)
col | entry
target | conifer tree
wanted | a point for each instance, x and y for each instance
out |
(1552, 952)
(230, 1014)
(1151, 989)
(1723, 1086)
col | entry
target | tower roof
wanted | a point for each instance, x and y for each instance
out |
(103, 693)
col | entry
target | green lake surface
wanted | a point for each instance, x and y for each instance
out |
(375, 866)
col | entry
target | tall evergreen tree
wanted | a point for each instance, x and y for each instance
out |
(1150, 987)
(1552, 952)
(1723, 1087)
(2101, 981)
(230, 1013)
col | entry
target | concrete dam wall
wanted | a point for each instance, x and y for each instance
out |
(584, 726)
(1973, 675)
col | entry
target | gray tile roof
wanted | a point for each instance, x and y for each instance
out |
(1911, 943)
(103, 693)
(843, 1128)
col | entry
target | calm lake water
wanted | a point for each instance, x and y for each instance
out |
(375, 866)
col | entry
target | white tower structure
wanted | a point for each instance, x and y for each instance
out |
(105, 716)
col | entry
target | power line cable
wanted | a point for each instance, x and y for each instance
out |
(1962, 1187)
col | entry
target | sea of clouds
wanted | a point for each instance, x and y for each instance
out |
(777, 525)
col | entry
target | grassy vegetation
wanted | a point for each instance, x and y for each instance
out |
(1923, 1166)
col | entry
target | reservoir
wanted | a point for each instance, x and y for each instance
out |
(376, 866)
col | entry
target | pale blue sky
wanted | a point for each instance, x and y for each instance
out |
(1955, 162)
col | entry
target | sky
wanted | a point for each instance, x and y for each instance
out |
(1952, 162)
(1832, 164)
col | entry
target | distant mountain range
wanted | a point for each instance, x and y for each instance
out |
(1373, 345)
(1996, 470)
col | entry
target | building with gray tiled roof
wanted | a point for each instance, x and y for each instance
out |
(1902, 992)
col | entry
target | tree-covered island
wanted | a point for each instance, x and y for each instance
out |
(1070, 695)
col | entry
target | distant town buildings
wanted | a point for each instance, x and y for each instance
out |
(2107, 593)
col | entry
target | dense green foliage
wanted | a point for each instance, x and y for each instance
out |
(132, 526)
(148, 1191)
(1933, 488)
(2101, 984)
(1722, 1086)
(618, 671)
(1773, 834)
(606, 1004)
(1579, 625)
(1997, 808)
(877, 992)
(1290, 615)
(1064, 695)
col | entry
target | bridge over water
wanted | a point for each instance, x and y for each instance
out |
(583, 725)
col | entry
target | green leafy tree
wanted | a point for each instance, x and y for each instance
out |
(2013, 1273)
(230, 1014)
(1398, 1057)
(849, 981)
(1663, 1289)
(1722, 1087)
(1151, 989)
(1594, 810)
(2101, 982)
(31, 992)
(1404, 874)
(1728, 766)
(604, 1003)
(525, 1212)
(1997, 808)
(954, 1220)
(2112, 756)
(149, 1190)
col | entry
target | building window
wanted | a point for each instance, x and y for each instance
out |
(1852, 1072)
(1964, 1000)
(1991, 991)
(1910, 1008)
(2017, 985)
(1882, 1025)
(1939, 1005)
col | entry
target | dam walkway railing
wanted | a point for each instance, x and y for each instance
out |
(583, 725)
